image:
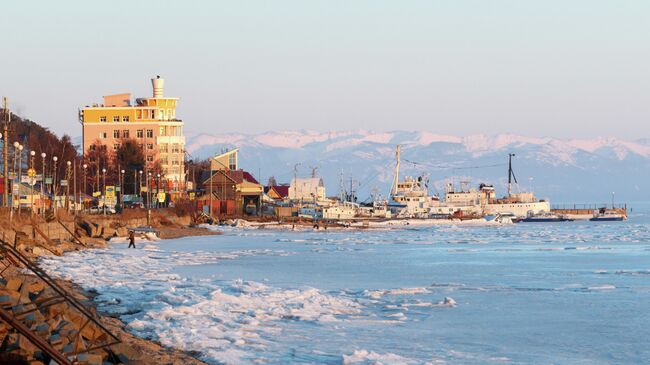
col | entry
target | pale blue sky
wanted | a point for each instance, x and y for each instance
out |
(556, 68)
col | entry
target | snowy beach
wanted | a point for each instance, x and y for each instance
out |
(458, 294)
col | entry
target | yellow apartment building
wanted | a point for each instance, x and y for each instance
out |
(150, 121)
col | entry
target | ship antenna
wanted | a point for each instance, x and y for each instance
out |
(511, 174)
(393, 189)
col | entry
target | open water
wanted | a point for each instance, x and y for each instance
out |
(528, 293)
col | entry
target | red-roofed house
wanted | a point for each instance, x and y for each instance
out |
(232, 191)
(277, 192)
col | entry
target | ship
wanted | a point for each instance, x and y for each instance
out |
(410, 198)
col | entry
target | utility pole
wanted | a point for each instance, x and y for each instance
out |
(6, 151)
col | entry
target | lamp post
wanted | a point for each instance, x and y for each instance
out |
(42, 204)
(121, 178)
(158, 189)
(67, 188)
(20, 172)
(32, 180)
(148, 190)
(104, 182)
(140, 184)
(85, 166)
(13, 196)
(54, 184)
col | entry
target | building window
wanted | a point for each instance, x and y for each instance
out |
(149, 133)
(140, 146)
(150, 146)
(175, 148)
(169, 114)
(232, 161)
(163, 148)
(116, 133)
(102, 119)
(102, 135)
(125, 133)
(116, 118)
(125, 118)
(153, 114)
(150, 158)
(92, 147)
(162, 131)
(116, 147)
(140, 133)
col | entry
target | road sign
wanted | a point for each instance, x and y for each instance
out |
(117, 188)
(31, 172)
(110, 192)
(191, 195)
(96, 193)
(63, 183)
(161, 197)
(48, 181)
(144, 189)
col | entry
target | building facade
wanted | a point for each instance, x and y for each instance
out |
(152, 122)
(310, 189)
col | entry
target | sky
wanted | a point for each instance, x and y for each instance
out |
(564, 69)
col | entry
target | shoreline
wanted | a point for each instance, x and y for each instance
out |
(132, 349)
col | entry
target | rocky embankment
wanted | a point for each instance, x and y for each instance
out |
(35, 306)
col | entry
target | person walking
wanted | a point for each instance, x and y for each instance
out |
(131, 239)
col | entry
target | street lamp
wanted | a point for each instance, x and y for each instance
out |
(20, 171)
(55, 159)
(140, 183)
(158, 189)
(67, 188)
(42, 204)
(32, 179)
(13, 195)
(148, 190)
(121, 181)
(104, 180)
(85, 166)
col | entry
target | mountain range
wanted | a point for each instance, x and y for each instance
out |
(562, 170)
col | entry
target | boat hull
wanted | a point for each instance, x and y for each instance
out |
(606, 219)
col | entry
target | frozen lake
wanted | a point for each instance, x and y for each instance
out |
(529, 293)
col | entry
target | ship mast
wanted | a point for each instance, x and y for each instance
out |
(511, 174)
(393, 189)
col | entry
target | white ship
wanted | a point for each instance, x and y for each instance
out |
(410, 198)
(484, 201)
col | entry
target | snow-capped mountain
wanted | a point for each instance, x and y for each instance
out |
(563, 170)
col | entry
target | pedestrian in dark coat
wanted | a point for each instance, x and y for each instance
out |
(131, 239)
